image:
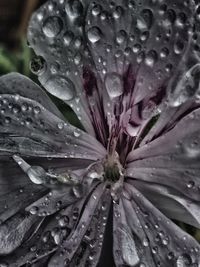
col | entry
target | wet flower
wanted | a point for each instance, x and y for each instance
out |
(103, 197)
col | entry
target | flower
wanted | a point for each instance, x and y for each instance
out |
(104, 196)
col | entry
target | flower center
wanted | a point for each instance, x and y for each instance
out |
(113, 169)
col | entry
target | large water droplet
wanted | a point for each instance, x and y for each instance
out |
(151, 58)
(114, 84)
(36, 174)
(60, 87)
(74, 8)
(145, 20)
(94, 34)
(37, 65)
(184, 261)
(52, 26)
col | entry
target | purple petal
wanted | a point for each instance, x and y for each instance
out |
(16, 190)
(124, 245)
(171, 202)
(61, 42)
(13, 231)
(172, 159)
(71, 245)
(158, 240)
(19, 85)
(145, 48)
(41, 133)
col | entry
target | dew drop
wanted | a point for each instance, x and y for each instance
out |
(52, 26)
(190, 184)
(94, 34)
(68, 37)
(178, 47)
(151, 58)
(37, 65)
(63, 221)
(183, 261)
(74, 8)
(114, 84)
(36, 174)
(121, 37)
(33, 210)
(60, 87)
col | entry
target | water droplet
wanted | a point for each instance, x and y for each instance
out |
(190, 184)
(60, 125)
(118, 12)
(63, 221)
(77, 133)
(60, 87)
(164, 52)
(145, 243)
(36, 174)
(114, 84)
(68, 37)
(94, 34)
(145, 20)
(37, 65)
(52, 26)
(34, 210)
(178, 47)
(151, 58)
(184, 261)
(74, 8)
(121, 37)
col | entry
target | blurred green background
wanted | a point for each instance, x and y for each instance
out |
(15, 55)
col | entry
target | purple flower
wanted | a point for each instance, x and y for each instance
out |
(103, 197)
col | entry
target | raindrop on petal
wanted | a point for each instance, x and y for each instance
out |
(60, 87)
(114, 84)
(94, 34)
(74, 8)
(36, 174)
(184, 261)
(52, 26)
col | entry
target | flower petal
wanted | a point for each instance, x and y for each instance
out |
(68, 72)
(157, 239)
(16, 191)
(152, 38)
(168, 118)
(30, 129)
(172, 159)
(72, 244)
(44, 241)
(173, 204)
(19, 85)
(13, 231)
(124, 246)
